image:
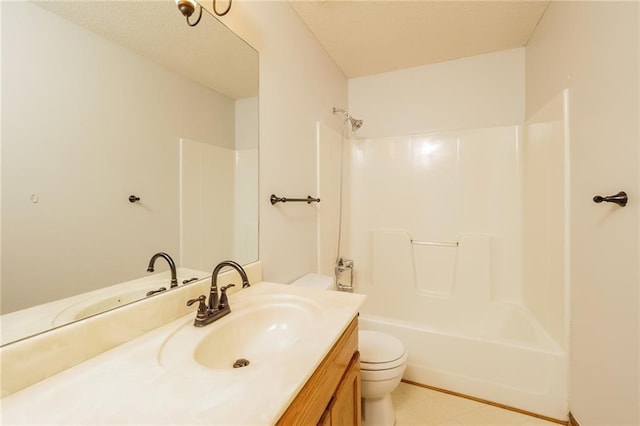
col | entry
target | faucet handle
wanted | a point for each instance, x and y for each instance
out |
(224, 301)
(152, 292)
(202, 307)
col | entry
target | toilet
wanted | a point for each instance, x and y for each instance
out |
(383, 360)
(382, 363)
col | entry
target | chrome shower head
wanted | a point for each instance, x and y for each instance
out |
(355, 124)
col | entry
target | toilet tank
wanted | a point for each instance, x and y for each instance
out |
(317, 281)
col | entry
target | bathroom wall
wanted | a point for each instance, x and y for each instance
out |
(468, 93)
(168, 106)
(593, 49)
(299, 85)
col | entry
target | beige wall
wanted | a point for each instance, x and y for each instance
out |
(592, 48)
(468, 93)
(299, 84)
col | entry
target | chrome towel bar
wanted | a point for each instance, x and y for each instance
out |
(435, 243)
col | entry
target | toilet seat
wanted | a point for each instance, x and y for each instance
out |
(382, 374)
(379, 351)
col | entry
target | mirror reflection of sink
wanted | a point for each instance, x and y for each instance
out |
(96, 306)
(89, 304)
(257, 332)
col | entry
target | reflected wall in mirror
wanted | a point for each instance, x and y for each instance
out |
(101, 101)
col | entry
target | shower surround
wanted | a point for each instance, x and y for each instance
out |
(441, 230)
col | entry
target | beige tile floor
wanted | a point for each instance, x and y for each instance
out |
(417, 406)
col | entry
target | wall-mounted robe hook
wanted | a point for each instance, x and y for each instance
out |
(620, 199)
(133, 199)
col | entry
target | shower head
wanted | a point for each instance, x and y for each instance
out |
(355, 124)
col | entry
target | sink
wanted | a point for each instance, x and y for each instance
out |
(258, 331)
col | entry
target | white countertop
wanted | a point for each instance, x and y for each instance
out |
(128, 384)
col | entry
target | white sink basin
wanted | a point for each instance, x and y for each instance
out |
(258, 330)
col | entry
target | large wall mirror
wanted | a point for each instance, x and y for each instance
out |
(103, 100)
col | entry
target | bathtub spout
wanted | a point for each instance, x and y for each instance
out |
(344, 266)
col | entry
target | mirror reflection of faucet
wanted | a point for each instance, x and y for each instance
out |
(152, 292)
(216, 308)
(172, 266)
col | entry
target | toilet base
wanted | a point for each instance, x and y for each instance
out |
(378, 411)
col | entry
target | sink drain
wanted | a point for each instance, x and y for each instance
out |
(241, 363)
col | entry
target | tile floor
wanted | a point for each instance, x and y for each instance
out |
(417, 406)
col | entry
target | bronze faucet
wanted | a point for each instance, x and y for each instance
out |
(216, 309)
(172, 266)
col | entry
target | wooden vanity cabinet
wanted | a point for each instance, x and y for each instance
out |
(344, 408)
(331, 397)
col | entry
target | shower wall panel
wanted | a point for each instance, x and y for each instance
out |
(545, 223)
(439, 212)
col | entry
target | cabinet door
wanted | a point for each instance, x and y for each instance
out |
(325, 420)
(345, 410)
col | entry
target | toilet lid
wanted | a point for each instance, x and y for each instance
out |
(379, 348)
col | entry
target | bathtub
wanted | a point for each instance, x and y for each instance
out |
(495, 352)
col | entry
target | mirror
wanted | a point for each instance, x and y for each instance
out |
(101, 101)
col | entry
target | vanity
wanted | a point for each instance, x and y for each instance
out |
(303, 368)
(332, 395)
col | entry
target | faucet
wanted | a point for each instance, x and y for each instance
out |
(216, 309)
(172, 265)
(213, 297)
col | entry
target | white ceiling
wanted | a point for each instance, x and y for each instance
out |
(367, 37)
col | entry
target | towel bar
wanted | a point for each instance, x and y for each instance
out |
(435, 243)
(275, 199)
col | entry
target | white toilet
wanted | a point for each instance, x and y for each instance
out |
(382, 363)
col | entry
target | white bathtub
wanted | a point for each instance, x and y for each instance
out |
(495, 352)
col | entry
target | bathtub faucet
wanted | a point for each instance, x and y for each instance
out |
(344, 266)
